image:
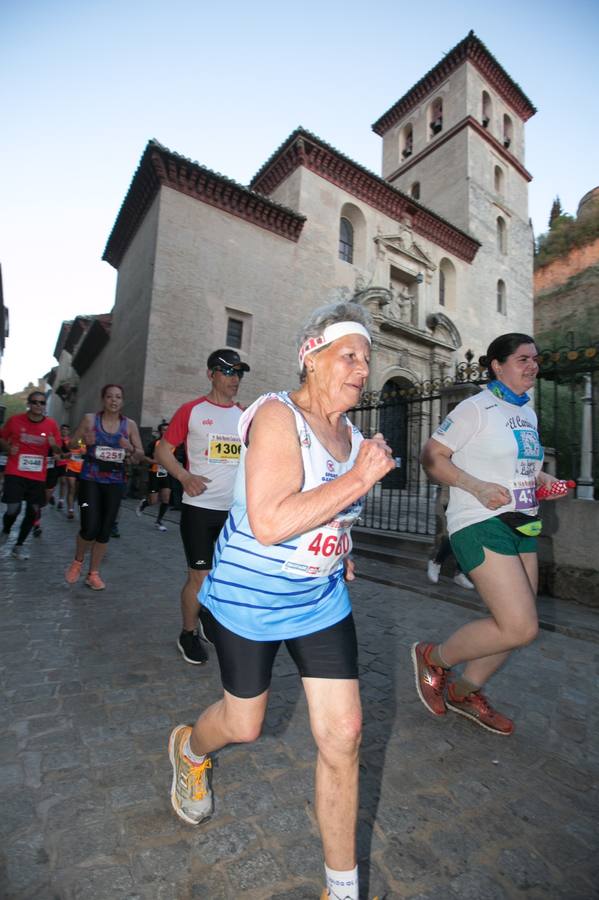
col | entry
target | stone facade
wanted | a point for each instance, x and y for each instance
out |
(194, 250)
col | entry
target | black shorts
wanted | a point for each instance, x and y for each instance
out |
(17, 489)
(158, 483)
(52, 476)
(200, 529)
(246, 666)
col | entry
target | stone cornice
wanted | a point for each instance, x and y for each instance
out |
(304, 149)
(470, 49)
(160, 167)
(467, 122)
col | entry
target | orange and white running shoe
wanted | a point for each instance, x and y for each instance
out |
(73, 573)
(476, 707)
(94, 581)
(430, 680)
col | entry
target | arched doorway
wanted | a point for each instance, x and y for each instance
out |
(393, 424)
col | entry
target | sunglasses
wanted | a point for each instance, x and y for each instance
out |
(37, 403)
(229, 371)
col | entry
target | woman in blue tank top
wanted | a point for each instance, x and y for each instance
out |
(280, 571)
(111, 440)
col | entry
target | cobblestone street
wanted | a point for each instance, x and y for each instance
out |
(92, 684)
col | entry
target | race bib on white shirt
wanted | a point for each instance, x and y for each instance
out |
(524, 491)
(224, 448)
(320, 551)
(30, 463)
(110, 454)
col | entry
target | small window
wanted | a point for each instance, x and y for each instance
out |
(447, 284)
(407, 141)
(498, 179)
(487, 110)
(436, 116)
(415, 191)
(501, 235)
(234, 333)
(508, 131)
(501, 300)
(346, 240)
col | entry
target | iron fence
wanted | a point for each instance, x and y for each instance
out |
(567, 404)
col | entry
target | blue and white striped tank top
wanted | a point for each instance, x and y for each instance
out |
(286, 590)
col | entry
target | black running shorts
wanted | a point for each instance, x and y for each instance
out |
(18, 488)
(200, 529)
(246, 666)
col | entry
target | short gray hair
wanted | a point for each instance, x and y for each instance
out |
(330, 314)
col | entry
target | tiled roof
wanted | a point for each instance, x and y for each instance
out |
(160, 167)
(470, 49)
(302, 148)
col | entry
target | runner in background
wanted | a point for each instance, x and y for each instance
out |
(159, 482)
(26, 437)
(208, 428)
(73, 471)
(111, 440)
(65, 434)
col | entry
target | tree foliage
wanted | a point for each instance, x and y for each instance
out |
(565, 233)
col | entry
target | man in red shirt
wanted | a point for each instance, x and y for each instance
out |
(26, 437)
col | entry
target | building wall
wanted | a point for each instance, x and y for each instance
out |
(123, 359)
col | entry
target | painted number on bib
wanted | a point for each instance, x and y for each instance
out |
(224, 448)
(30, 463)
(110, 454)
(525, 496)
(330, 545)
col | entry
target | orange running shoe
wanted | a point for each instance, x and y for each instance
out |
(475, 706)
(94, 581)
(430, 680)
(73, 572)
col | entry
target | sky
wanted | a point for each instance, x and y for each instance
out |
(84, 86)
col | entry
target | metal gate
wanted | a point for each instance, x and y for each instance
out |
(404, 501)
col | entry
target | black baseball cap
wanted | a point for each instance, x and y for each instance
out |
(226, 358)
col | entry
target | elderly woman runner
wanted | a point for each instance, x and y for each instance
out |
(281, 563)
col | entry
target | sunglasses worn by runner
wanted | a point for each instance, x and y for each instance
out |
(229, 371)
(37, 403)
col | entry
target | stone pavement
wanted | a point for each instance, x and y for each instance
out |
(92, 683)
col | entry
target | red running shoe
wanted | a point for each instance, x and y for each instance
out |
(475, 706)
(430, 680)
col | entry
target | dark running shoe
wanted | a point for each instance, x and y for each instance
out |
(114, 531)
(192, 650)
(430, 680)
(475, 706)
(37, 531)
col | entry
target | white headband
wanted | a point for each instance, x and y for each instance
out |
(330, 334)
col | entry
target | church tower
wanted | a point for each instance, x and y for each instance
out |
(455, 142)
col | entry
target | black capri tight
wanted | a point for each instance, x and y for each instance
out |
(98, 505)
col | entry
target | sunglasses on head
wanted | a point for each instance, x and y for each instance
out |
(229, 371)
(37, 402)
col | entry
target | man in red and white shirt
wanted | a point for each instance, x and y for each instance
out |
(208, 428)
(26, 437)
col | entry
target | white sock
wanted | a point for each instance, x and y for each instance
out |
(342, 885)
(191, 756)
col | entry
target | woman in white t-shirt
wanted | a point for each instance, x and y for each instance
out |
(489, 453)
